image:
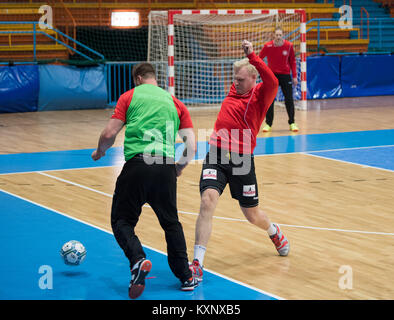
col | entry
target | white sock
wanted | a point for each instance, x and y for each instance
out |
(271, 230)
(199, 252)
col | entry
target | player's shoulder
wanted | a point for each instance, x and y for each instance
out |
(127, 94)
(176, 100)
(269, 44)
(288, 43)
(181, 107)
(125, 98)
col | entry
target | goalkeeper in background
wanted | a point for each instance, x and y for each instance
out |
(281, 60)
(230, 158)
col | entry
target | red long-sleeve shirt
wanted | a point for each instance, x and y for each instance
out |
(240, 116)
(280, 59)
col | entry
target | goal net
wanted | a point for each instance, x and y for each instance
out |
(194, 50)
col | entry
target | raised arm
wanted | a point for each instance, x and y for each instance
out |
(269, 88)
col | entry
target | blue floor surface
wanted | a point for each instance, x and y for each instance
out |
(32, 235)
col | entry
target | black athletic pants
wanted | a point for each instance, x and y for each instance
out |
(155, 184)
(285, 82)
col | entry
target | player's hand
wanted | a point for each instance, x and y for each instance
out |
(179, 167)
(295, 82)
(97, 155)
(247, 47)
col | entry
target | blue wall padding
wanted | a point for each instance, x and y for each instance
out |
(367, 75)
(323, 77)
(19, 87)
(68, 88)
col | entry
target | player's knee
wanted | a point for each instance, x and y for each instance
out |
(209, 199)
(252, 218)
(251, 214)
(171, 226)
(121, 225)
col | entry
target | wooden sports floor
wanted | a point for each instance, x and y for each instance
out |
(330, 187)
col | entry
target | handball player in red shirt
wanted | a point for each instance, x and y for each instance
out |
(281, 60)
(230, 158)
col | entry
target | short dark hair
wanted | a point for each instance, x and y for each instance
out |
(145, 70)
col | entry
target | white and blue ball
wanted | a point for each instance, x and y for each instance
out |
(73, 253)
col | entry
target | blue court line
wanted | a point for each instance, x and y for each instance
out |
(324, 141)
(57, 160)
(31, 236)
(61, 160)
(377, 157)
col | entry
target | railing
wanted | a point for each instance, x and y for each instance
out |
(362, 9)
(35, 32)
(319, 27)
(72, 20)
(358, 23)
(119, 79)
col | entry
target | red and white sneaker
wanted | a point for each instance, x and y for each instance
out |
(196, 270)
(280, 241)
(190, 284)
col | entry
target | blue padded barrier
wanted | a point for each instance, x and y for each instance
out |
(71, 88)
(367, 75)
(53, 87)
(323, 77)
(19, 87)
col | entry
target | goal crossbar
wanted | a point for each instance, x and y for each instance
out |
(234, 12)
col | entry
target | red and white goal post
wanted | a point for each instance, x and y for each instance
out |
(194, 50)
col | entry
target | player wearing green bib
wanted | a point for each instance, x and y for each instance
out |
(152, 118)
(150, 130)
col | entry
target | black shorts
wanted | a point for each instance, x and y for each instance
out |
(221, 167)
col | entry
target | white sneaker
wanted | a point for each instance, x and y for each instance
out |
(280, 241)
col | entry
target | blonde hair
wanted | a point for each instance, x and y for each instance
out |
(245, 63)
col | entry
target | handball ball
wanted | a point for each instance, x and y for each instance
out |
(73, 253)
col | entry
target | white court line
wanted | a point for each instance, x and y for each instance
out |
(340, 230)
(354, 148)
(74, 183)
(110, 195)
(303, 227)
(348, 162)
(326, 150)
(55, 170)
(225, 218)
(153, 249)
